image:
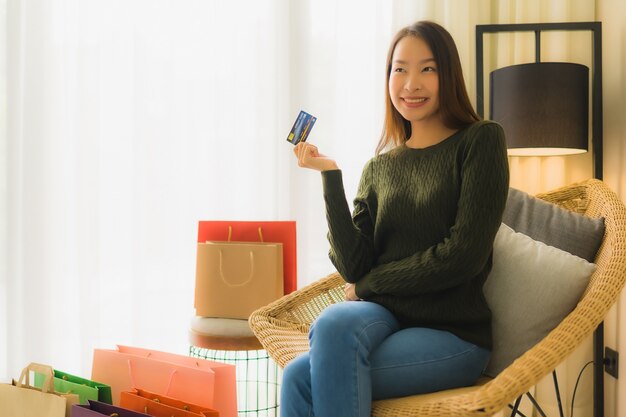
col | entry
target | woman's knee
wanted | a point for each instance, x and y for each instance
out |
(343, 320)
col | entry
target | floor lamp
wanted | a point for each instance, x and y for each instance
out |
(543, 108)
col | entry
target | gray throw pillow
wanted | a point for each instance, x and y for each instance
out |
(553, 225)
(530, 289)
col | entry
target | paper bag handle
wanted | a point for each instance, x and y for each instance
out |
(132, 379)
(46, 370)
(230, 234)
(230, 284)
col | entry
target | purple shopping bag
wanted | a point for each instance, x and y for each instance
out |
(98, 409)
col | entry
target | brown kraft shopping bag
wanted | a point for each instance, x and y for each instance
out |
(235, 278)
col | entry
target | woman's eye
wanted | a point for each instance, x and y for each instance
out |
(429, 69)
(398, 70)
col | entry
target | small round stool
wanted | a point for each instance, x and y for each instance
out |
(232, 341)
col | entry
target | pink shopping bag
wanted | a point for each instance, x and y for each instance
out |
(207, 383)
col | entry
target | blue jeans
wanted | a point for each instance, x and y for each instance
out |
(359, 354)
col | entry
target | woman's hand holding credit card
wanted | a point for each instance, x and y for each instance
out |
(308, 155)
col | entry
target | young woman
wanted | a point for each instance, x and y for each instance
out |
(417, 248)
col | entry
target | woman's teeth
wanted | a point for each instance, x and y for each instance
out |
(414, 100)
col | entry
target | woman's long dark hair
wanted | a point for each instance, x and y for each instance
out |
(455, 108)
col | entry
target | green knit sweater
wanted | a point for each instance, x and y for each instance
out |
(420, 238)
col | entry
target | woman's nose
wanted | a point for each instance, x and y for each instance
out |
(413, 83)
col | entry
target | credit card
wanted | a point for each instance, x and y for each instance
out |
(301, 128)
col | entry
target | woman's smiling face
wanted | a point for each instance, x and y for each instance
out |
(414, 80)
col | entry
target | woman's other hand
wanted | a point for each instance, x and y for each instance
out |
(349, 291)
(309, 157)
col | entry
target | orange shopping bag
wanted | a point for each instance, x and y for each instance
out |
(199, 381)
(162, 406)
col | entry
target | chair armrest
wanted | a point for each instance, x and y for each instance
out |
(282, 327)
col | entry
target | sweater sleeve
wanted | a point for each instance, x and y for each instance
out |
(464, 253)
(350, 236)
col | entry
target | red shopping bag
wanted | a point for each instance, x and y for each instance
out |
(199, 381)
(248, 231)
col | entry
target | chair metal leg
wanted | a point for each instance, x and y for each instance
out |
(535, 404)
(516, 412)
(558, 393)
(515, 407)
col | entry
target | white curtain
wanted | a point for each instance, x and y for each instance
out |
(130, 121)
(125, 122)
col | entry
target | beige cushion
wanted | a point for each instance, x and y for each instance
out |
(210, 326)
(531, 288)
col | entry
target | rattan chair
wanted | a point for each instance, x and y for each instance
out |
(282, 326)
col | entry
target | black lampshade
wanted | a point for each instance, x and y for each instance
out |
(543, 107)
